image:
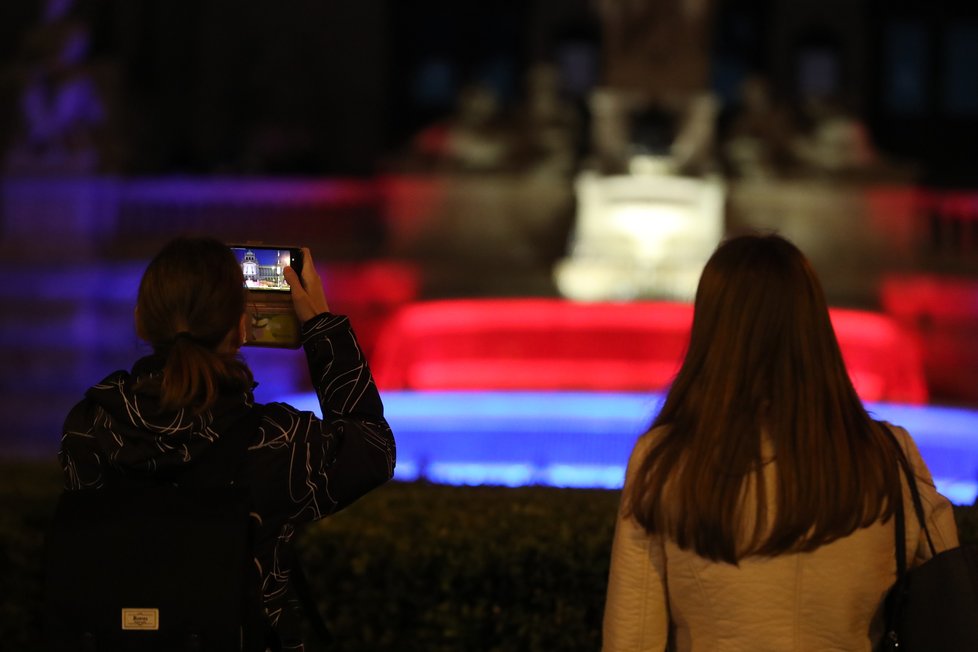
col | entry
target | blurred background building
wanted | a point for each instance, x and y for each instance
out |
(573, 150)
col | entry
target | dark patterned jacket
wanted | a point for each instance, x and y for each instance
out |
(299, 467)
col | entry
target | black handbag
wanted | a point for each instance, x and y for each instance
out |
(933, 607)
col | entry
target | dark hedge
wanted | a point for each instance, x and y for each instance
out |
(422, 567)
(409, 567)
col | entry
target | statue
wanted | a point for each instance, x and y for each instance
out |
(60, 106)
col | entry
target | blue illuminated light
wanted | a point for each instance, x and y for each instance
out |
(959, 493)
(585, 476)
(407, 471)
(583, 439)
(475, 473)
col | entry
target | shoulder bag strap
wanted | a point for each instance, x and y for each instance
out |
(901, 547)
(900, 535)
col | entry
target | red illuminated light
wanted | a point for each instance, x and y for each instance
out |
(537, 344)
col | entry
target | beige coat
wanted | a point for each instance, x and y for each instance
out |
(828, 599)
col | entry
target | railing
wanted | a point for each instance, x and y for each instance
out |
(951, 220)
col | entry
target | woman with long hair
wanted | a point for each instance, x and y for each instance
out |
(161, 421)
(756, 512)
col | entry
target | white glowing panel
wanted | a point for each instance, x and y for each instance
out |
(641, 236)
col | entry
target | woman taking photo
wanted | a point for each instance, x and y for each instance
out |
(183, 406)
(756, 511)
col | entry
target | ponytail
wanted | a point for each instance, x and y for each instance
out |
(194, 374)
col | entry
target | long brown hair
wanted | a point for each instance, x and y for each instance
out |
(763, 365)
(191, 298)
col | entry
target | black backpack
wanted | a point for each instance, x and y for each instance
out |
(158, 566)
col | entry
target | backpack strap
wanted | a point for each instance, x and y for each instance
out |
(299, 583)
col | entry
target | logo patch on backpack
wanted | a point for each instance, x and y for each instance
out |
(141, 619)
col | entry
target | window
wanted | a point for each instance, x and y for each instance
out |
(960, 85)
(905, 69)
